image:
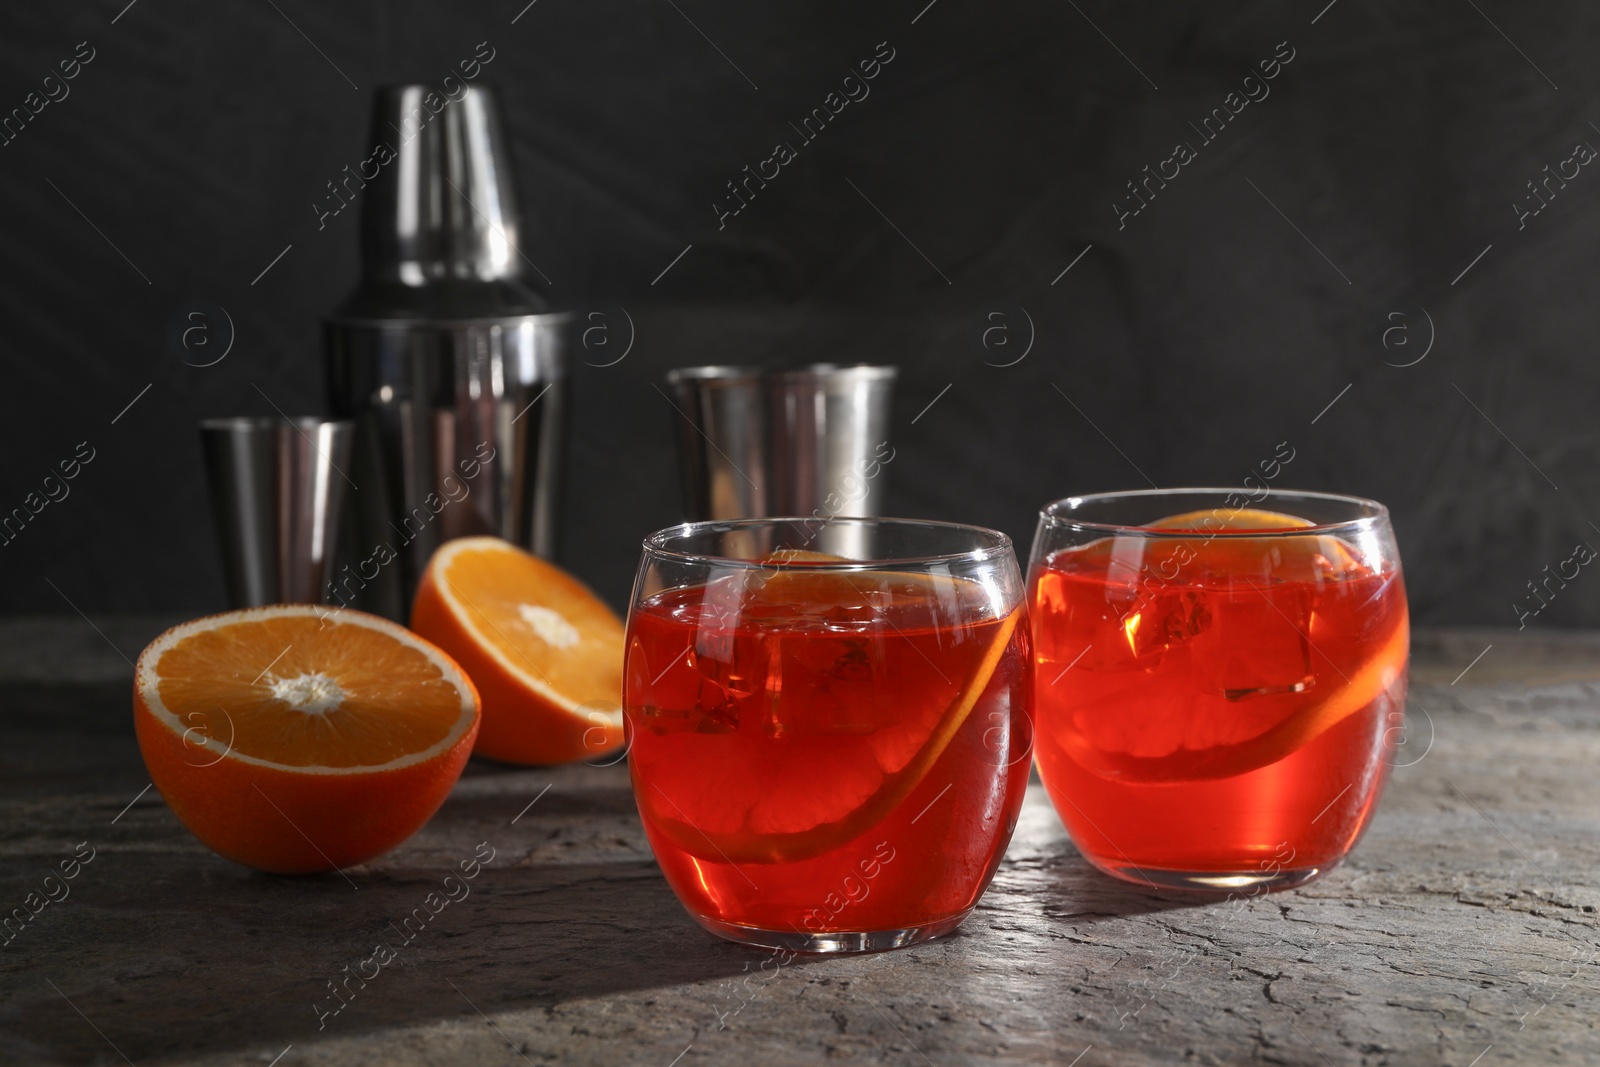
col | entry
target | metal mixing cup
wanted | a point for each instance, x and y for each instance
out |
(830, 444)
(722, 441)
(810, 443)
(313, 465)
(278, 490)
(830, 438)
(448, 360)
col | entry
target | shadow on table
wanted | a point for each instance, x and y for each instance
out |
(1075, 891)
(1103, 898)
(173, 953)
(222, 960)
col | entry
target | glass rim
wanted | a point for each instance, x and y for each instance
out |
(1000, 544)
(1054, 515)
(826, 372)
(732, 374)
(715, 374)
(241, 424)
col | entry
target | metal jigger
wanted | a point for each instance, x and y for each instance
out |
(830, 437)
(722, 441)
(829, 425)
(449, 362)
(810, 443)
(277, 492)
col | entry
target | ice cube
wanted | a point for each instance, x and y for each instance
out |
(1257, 643)
(823, 685)
(719, 712)
(730, 673)
(1138, 633)
(1165, 619)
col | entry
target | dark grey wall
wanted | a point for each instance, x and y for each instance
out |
(1191, 338)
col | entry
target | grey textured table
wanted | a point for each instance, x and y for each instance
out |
(1461, 931)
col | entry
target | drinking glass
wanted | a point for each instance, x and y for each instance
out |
(831, 724)
(1219, 687)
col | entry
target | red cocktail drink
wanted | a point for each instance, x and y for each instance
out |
(827, 757)
(1216, 699)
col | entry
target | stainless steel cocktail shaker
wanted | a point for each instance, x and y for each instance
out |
(449, 361)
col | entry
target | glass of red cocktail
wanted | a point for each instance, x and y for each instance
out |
(831, 724)
(1218, 686)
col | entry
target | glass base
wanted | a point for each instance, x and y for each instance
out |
(1241, 882)
(834, 941)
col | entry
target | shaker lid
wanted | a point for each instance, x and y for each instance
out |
(442, 210)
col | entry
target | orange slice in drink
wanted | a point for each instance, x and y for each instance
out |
(796, 789)
(1227, 518)
(295, 738)
(1356, 690)
(1304, 555)
(1228, 548)
(1229, 732)
(544, 651)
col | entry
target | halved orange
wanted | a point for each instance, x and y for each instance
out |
(294, 738)
(544, 651)
(846, 736)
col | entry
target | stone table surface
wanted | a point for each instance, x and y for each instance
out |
(1461, 931)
